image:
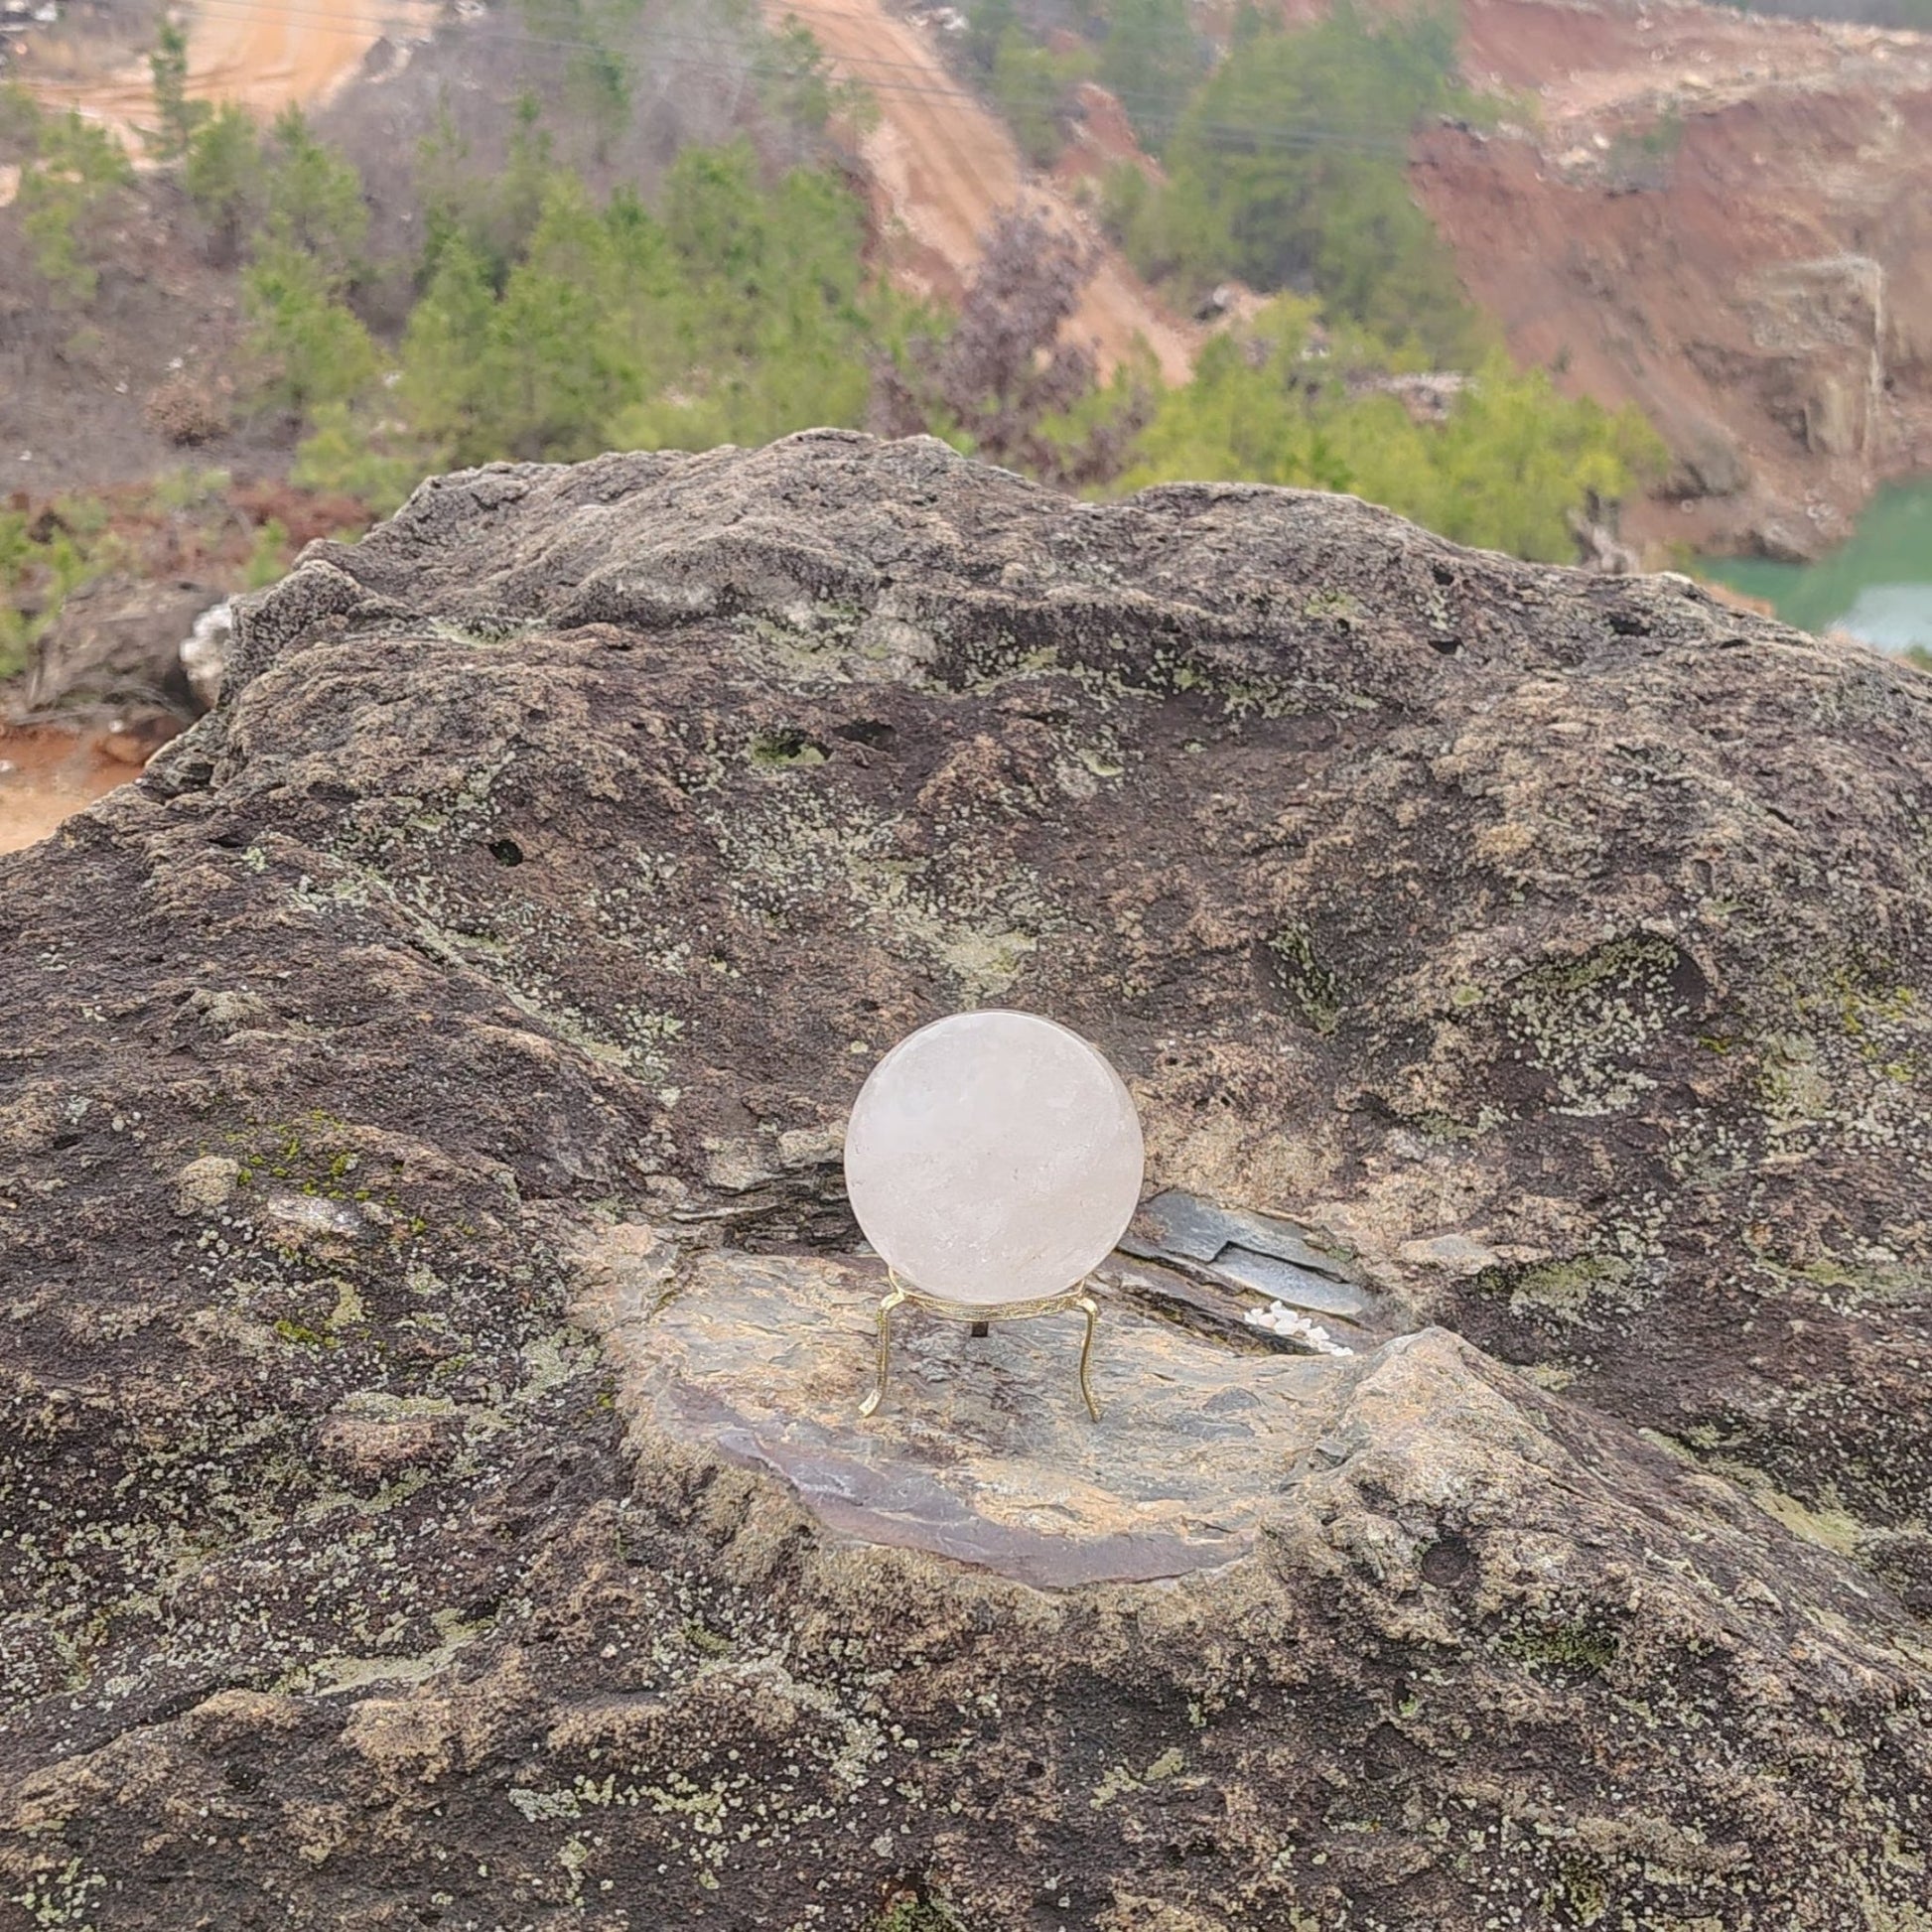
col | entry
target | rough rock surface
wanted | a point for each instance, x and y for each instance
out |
(555, 865)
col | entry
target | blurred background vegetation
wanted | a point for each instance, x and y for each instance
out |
(562, 281)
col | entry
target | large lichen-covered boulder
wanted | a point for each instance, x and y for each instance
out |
(431, 1490)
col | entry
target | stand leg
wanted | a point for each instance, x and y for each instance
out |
(885, 1308)
(1087, 1306)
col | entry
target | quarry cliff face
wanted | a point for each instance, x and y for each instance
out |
(1723, 218)
(421, 1095)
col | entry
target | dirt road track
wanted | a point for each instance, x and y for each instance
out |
(946, 164)
(263, 54)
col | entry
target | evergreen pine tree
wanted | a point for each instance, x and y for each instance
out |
(224, 178)
(177, 115)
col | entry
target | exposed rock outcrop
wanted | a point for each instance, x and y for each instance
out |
(419, 1101)
(1823, 331)
(116, 644)
(1724, 219)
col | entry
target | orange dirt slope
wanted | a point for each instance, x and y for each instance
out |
(263, 54)
(47, 773)
(944, 165)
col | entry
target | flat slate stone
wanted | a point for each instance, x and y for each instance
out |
(983, 1451)
(1300, 1288)
(1198, 1229)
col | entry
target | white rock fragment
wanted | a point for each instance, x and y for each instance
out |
(205, 651)
(314, 1214)
(1281, 1319)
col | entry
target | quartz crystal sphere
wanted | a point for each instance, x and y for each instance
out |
(993, 1157)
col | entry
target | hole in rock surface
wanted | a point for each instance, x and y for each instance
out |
(787, 744)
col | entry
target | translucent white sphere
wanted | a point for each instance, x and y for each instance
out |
(993, 1157)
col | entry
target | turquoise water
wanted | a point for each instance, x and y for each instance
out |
(1878, 587)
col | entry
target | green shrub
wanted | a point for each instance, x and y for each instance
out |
(598, 80)
(1152, 59)
(67, 197)
(45, 557)
(553, 323)
(223, 176)
(179, 118)
(313, 200)
(21, 121)
(1506, 470)
(736, 313)
(1288, 169)
(347, 453)
(305, 346)
(1032, 87)
(268, 559)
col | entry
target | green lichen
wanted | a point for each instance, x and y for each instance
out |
(1881, 1917)
(928, 1914)
(1583, 1021)
(1121, 1778)
(1310, 986)
(59, 1898)
(794, 848)
(704, 1639)
(1563, 1290)
(1850, 1055)
(311, 1157)
(1582, 1647)
(305, 1154)
(1826, 1525)
(300, 1334)
(1794, 1088)
(1581, 1892)
(1327, 606)
(482, 631)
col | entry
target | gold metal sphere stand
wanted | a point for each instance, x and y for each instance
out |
(979, 1314)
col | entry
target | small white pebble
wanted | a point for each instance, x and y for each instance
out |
(1281, 1320)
